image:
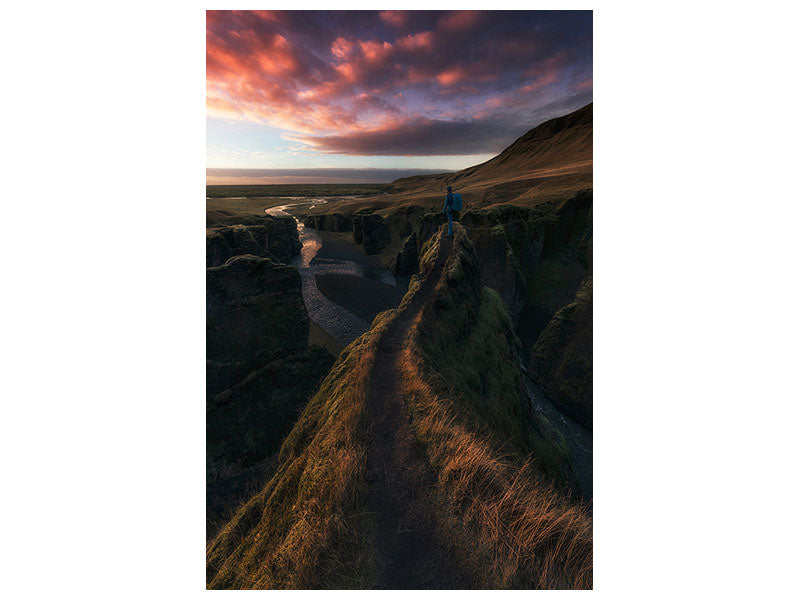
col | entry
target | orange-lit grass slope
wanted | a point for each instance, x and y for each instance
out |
(501, 501)
(498, 506)
(551, 161)
(306, 527)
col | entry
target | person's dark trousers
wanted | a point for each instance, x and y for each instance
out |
(452, 215)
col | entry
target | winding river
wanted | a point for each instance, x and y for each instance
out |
(341, 324)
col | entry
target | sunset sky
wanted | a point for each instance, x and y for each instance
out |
(385, 90)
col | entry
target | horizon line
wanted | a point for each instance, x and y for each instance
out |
(309, 176)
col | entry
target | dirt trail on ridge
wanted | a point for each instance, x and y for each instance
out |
(401, 479)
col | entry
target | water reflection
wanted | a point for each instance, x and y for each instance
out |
(337, 321)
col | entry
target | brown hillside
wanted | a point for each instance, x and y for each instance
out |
(551, 160)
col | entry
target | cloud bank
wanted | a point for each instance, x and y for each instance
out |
(398, 82)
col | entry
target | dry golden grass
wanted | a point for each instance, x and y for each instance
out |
(498, 513)
(512, 528)
(307, 527)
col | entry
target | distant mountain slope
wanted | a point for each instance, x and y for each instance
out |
(551, 160)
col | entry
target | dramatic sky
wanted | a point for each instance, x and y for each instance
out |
(385, 90)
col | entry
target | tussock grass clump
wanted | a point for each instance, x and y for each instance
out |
(502, 518)
(305, 528)
(502, 508)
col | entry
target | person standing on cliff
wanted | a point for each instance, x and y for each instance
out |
(451, 207)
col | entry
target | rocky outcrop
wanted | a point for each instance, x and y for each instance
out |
(412, 224)
(499, 268)
(429, 224)
(475, 442)
(254, 311)
(540, 262)
(246, 423)
(336, 222)
(329, 222)
(375, 233)
(314, 221)
(260, 373)
(358, 235)
(274, 237)
(561, 359)
(535, 258)
(407, 258)
(468, 336)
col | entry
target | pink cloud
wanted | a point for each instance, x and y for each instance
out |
(339, 83)
(540, 83)
(250, 82)
(396, 18)
(375, 51)
(347, 71)
(261, 78)
(547, 65)
(476, 72)
(494, 102)
(269, 16)
(460, 20)
(341, 48)
(451, 76)
(416, 41)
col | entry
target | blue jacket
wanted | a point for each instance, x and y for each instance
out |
(448, 202)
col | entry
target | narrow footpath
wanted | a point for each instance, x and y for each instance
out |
(401, 480)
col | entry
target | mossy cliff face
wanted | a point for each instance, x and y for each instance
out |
(311, 526)
(259, 373)
(307, 527)
(406, 261)
(543, 254)
(254, 312)
(471, 352)
(369, 230)
(330, 222)
(259, 369)
(246, 423)
(562, 356)
(396, 235)
(274, 237)
(537, 259)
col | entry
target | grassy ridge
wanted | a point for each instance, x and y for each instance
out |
(306, 529)
(499, 509)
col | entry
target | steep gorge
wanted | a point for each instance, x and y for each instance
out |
(539, 260)
(529, 216)
(318, 522)
(422, 460)
(260, 370)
